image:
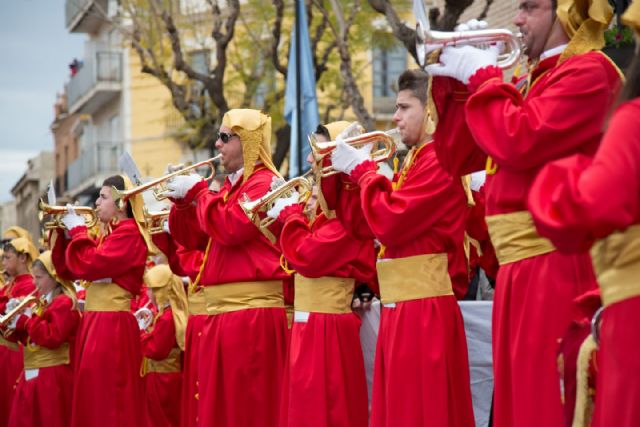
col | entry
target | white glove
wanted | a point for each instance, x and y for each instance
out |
(471, 25)
(345, 158)
(72, 220)
(180, 185)
(11, 304)
(282, 203)
(165, 226)
(462, 62)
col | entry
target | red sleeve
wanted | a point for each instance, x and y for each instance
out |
(58, 323)
(575, 201)
(158, 343)
(58, 255)
(523, 134)
(119, 251)
(183, 262)
(456, 148)
(388, 212)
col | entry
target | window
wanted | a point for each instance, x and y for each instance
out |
(388, 64)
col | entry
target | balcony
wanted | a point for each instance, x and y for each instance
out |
(85, 16)
(95, 163)
(98, 81)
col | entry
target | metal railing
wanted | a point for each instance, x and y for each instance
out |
(95, 159)
(102, 67)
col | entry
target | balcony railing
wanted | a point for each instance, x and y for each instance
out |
(96, 161)
(99, 77)
(83, 16)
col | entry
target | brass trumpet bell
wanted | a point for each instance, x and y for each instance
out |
(28, 301)
(383, 149)
(425, 38)
(90, 218)
(159, 185)
(155, 220)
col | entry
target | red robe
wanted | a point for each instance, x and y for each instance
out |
(162, 389)
(12, 359)
(46, 399)
(184, 262)
(107, 387)
(562, 113)
(327, 345)
(426, 215)
(576, 201)
(241, 377)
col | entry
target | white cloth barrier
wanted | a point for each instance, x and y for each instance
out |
(477, 325)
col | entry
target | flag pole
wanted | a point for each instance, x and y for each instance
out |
(298, 91)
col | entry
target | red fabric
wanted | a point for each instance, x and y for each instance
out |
(107, 386)
(12, 361)
(241, 376)
(477, 229)
(46, 399)
(421, 374)
(432, 202)
(162, 390)
(191, 374)
(183, 262)
(563, 113)
(483, 75)
(328, 344)
(575, 201)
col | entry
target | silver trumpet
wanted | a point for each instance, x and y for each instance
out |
(426, 38)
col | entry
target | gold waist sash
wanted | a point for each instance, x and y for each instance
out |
(243, 295)
(168, 365)
(107, 297)
(414, 277)
(515, 238)
(616, 261)
(197, 303)
(330, 295)
(10, 345)
(41, 357)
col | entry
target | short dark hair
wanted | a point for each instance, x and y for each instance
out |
(417, 81)
(118, 182)
(322, 130)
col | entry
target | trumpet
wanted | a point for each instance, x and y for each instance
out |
(384, 148)
(159, 184)
(155, 220)
(255, 208)
(26, 302)
(426, 37)
(90, 218)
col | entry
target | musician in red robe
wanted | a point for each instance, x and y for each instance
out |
(44, 390)
(325, 371)
(162, 347)
(244, 340)
(559, 109)
(17, 257)
(107, 386)
(421, 374)
(578, 203)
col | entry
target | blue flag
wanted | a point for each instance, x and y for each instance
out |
(300, 67)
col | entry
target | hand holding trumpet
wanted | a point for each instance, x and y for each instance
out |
(346, 158)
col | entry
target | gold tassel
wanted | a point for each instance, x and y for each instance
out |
(584, 403)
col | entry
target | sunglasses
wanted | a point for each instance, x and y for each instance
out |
(225, 137)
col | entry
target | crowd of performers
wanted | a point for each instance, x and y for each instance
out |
(559, 211)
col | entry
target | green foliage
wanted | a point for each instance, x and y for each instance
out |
(618, 36)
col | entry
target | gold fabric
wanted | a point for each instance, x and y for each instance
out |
(415, 277)
(584, 21)
(330, 295)
(168, 365)
(243, 295)
(137, 207)
(67, 285)
(336, 128)
(107, 297)
(167, 287)
(15, 231)
(197, 303)
(41, 357)
(515, 238)
(254, 130)
(8, 344)
(616, 261)
(632, 17)
(24, 246)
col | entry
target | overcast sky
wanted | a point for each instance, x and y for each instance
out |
(35, 50)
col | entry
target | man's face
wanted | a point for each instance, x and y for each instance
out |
(106, 208)
(231, 151)
(535, 19)
(409, 117)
